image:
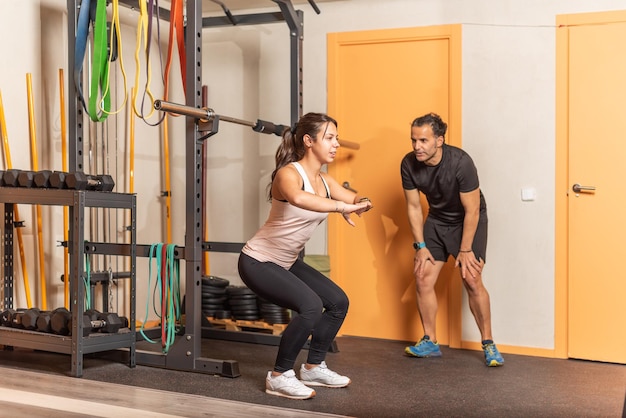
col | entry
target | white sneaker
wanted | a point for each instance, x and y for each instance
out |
(288, 386)
(323, 376)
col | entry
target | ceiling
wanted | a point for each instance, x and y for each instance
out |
(212, 7)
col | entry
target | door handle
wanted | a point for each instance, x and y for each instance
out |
(577, 188)
(346, 185)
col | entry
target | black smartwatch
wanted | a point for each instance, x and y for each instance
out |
(419, 245)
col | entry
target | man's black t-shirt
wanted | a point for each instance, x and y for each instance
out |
(441, 184)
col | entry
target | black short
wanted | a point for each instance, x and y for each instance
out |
(444, 240)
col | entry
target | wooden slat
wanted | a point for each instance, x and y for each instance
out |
(29, 394)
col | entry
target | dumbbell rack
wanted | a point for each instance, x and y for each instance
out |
(77, 200)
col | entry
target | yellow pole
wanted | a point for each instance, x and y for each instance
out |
(16, 214)
(35, 167)
(168, 191)
(131, 164)
(131, 182)
(205, 216)
(64, 167)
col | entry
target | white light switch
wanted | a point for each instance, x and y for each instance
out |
(528, 194)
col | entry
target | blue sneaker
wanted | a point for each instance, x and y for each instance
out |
(424, 348)
(492, 355)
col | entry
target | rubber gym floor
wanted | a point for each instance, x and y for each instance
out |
(385, 382)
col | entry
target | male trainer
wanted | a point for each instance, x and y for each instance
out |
(456, 225)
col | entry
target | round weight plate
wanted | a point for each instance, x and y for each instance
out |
(246, 317)
(242, 297)
(275, 320)
(214, 290)
(215, 281)
(242, 302)
(272, 308)
(244, 311)
(242, 307)
(223, 314)
(275, 317)
(269, 305)
(213, 299)
(239, 290)
(212, 306)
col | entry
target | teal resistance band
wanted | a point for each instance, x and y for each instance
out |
(171, 318)
(87, 283)
(173, 295)
(154, 249)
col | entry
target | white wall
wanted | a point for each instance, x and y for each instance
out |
(21, 58)
(508, 127)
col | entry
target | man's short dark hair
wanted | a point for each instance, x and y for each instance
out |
(438, 126)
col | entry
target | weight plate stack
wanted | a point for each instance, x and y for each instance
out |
(223, 314)
(273, 314)
(243, 303)
(214, 295)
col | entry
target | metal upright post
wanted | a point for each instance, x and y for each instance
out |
(75, 111)
(295, 22)
(77, 269)
(8, 279)
(186, 352)
(193, 238)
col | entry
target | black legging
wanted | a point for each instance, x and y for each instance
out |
(321, 306)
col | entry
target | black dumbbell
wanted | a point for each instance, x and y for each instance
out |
(81, 181)
(10, 178)
(93, 314)
(25, 178)
(12, 318)
(29, 318)
(44, 321)
(57, 180)
(108, 322)
(41, 179)
(60, 321)
(5, 317)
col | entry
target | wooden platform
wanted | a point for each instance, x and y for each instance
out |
(241, 325)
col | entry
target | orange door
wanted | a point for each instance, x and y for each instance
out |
(594, 124)
(378, 82)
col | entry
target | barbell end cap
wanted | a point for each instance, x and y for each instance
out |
(266, 127)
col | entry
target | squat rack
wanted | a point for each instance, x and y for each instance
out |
(185, 354)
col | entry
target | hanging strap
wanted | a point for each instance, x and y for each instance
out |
(144, 27)
(115, 51)
(87, 282)
(164, 296)
(173, 300)
(85, 17)
(100, 67)
(142, 33)
(167, 284)
(176, 30)
(155, 251)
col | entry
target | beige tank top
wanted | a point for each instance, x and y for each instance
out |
(286, 231)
